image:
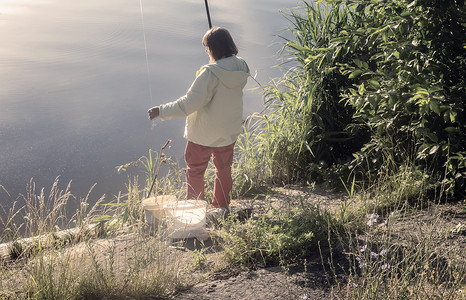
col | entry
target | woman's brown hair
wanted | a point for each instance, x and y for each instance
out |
(220, 43)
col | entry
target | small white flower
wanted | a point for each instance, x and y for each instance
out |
(372, 219)
(374, 255)
(373, 216)
(363, 248)
(385, 266)
(384, 252)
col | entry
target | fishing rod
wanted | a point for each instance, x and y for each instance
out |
(208, 13)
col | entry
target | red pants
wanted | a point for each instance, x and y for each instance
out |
(197, 159)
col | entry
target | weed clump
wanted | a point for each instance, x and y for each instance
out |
(278, 236)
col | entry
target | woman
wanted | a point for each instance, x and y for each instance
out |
(213, 107)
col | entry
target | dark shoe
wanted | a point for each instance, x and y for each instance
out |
(215, 214)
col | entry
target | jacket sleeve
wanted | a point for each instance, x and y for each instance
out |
(199, 94)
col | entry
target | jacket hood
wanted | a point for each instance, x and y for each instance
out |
(231, 71)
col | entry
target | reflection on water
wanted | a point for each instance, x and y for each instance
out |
(75, 85)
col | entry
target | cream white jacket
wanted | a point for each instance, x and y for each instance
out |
(213, 105)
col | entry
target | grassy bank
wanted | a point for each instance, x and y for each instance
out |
(367, 106)
(370, 244)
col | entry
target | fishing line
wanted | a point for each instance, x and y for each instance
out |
(254, 77)
(145, 51)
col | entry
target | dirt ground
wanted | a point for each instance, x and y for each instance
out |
(308, 279)
(267, 283)
(305, 280)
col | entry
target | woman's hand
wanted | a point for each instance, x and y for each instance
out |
(154, 112)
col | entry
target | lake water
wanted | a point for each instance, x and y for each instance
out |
(75, 83)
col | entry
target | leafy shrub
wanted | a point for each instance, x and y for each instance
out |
(407, 90)
(373, 85)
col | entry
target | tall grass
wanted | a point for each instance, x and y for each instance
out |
(131, 267)
(271, 148)
(100, 251)
(303, 134)
(362, 93)
(384, 263)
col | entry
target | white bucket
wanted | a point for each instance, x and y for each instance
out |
(186, 219)
(153, 208)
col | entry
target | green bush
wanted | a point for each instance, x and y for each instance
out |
(373, 85)
(407, 89)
